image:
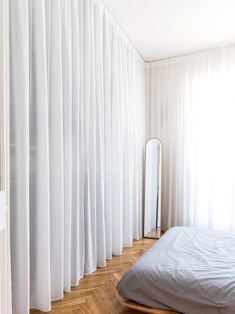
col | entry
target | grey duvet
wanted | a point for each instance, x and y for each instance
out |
(188, 270)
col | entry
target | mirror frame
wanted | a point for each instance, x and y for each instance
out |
(157, 234)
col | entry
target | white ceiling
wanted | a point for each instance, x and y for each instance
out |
(166, 28)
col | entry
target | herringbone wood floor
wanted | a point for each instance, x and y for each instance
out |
(96, 293)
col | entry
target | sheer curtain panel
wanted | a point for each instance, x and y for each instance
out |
(191, 109)
(77, 120)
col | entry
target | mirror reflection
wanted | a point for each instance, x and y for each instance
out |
(152, 210)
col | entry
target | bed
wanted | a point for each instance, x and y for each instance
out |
(188, 270)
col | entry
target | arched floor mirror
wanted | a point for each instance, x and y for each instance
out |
(152, 204)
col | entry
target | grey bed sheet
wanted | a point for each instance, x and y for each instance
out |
(188, 270)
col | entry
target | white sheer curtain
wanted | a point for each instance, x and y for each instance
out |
(192, 110)
(77, 107)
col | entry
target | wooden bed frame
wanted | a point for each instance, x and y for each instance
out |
(142, 308)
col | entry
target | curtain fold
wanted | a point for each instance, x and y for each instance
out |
(191, 109)
(77, 115)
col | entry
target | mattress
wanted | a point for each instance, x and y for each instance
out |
(188, 270)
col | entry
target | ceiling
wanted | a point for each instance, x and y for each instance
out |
(165, 28)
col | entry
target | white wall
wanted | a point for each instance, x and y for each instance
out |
(5, 280)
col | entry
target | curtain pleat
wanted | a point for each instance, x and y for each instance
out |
(67, 136)
(106, 77)
(77, 114)
(38, 156)
(19, 153)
